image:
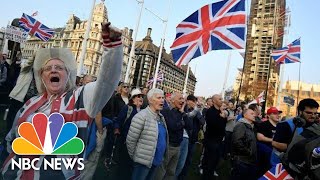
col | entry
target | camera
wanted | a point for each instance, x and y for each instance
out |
(299, 121)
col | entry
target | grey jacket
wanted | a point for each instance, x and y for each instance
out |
(244, 142)
(142, 137)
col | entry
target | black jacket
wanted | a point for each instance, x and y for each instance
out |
(216, 125)
(118, 104)
(176, 121)
(197, 122)
(113, 107)
(244, 143)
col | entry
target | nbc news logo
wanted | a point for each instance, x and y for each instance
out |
(47, 137)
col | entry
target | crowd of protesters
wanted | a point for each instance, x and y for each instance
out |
(152, 134)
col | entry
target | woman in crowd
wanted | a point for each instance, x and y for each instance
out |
(122, 125)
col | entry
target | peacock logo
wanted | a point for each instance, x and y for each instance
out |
(47, 137)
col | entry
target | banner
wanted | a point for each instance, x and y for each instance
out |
(16, 34)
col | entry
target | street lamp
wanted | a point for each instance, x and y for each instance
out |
(126, 79)
(80, 42)
(165, 22)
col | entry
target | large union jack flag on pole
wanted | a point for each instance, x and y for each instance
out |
(276, 173)
(288, 54)
(36, 28)
(215, 26)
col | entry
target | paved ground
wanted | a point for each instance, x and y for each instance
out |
(193, 174)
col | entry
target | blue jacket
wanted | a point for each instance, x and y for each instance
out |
(176, 122)
(275, 159)
(92, 143)
(119, 121)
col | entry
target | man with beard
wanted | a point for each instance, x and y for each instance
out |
(307, 110)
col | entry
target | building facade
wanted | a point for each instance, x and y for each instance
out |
(147, 56)
(71, 36)
(2, 38)
(143, 63)
(265, 32)
(236, 85)
(305, 90)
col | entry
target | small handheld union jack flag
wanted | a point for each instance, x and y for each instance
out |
(215, 26)
(288, 54)
(160, 78)
(276, 173)
(36, 28)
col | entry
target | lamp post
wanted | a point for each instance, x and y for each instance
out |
(165, 22)
(126, 79)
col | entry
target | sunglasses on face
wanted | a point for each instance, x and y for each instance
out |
(56, 67)
(125, 86)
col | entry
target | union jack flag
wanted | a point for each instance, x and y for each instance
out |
(160, 78)
(36, 28)
(215, 26)
(276, 173)
(288, 54)
(259, 99)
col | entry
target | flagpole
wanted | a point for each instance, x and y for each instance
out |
(133, 46)
(299, 83)
(282, 66)
(245, 54)
(195, 70)
(85, 40)
(184, 92)
(159, 60)
(165, 21)
(226, 75)
(280, 84)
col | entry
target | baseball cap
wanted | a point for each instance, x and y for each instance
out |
(273, 110)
